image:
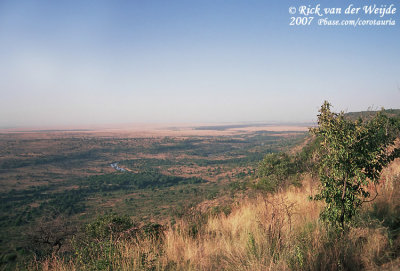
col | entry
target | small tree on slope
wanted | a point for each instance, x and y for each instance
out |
(351, 156)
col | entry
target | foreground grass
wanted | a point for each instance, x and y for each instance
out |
(271, 232)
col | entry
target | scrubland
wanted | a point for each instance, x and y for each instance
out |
(278, 231)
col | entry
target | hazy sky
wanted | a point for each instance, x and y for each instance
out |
(84, 62)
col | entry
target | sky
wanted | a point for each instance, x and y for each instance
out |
(108, 62)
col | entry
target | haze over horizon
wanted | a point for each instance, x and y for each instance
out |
(74, 63)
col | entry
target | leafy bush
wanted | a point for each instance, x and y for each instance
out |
(107, 226)
(352, 156)
(95, 247)
(276, 171)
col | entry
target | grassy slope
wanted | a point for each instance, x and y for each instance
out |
(274, 232)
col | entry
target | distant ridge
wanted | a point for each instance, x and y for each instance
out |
(53, 130)
(369, 114)
(223, 127)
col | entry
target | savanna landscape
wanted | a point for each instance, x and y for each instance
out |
(205, 197)
(48, 174)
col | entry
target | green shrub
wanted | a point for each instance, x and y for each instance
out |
(276, 171)
(95, 247)
(107, 226)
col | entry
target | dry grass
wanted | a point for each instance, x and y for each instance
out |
(274, 232)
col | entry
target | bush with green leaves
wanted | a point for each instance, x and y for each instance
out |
(98, 247)
(107, 226)
(276, 170)
(352, 155)
(95, 248)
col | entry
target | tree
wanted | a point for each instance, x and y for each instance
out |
(50, 235)
(352, 155)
